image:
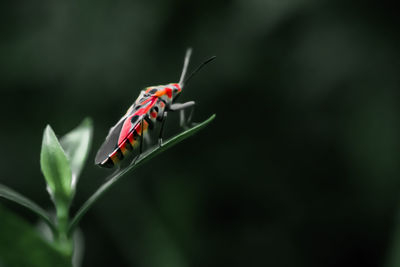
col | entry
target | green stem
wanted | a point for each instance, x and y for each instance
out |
(63, 241)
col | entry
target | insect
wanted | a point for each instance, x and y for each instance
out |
(151, 107)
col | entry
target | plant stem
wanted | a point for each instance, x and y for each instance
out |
(62, 239)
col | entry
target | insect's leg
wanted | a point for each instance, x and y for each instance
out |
(182, 118)
(141, 138)
(150, 125)
(164, 118)
(181, 107)
(147, 139)
(189, 120)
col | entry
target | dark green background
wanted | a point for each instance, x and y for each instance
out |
(300, 167)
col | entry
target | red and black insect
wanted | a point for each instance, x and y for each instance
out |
(149, 108)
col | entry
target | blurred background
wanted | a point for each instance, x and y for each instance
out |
(300, 167)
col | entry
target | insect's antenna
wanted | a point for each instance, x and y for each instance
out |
(198, 69)
(185, 66)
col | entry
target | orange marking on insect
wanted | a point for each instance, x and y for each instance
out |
(124, 148)
(114, 157)
(160, 93)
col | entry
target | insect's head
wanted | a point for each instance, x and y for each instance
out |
(176, 90)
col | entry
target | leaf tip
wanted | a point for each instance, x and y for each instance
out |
(47, 128)
(87, 122)
(48, 132)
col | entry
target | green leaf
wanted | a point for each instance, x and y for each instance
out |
(21, 245)
(151, 153)
(12, 195)
(76, 145)
(56, 169)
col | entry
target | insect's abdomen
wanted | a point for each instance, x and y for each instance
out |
(126, 146)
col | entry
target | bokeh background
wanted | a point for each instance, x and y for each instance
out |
(300, 167)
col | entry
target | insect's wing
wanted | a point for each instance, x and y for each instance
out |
(111, 142)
